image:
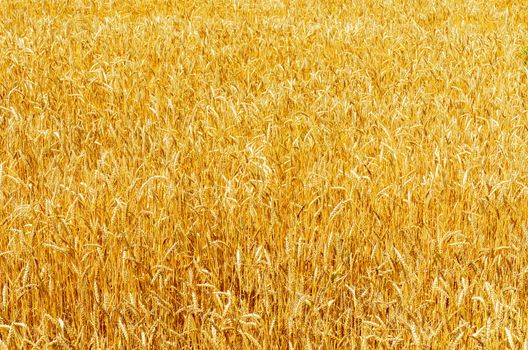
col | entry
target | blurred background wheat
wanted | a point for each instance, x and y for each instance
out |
(263, 174)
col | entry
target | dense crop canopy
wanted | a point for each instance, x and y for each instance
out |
(263, 174)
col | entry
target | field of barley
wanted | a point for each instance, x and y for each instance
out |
(263, 174)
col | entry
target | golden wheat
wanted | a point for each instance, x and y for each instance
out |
(263, 174)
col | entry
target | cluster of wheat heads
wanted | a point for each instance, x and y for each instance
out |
(263, 174)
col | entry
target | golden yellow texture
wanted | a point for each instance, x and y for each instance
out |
(266, 174)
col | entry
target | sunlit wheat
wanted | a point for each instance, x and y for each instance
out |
(263, 174)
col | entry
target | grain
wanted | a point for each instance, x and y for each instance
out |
(263, 174)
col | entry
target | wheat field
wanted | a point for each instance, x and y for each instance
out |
(263, 174)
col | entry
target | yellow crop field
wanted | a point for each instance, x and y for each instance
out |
(263, 174)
